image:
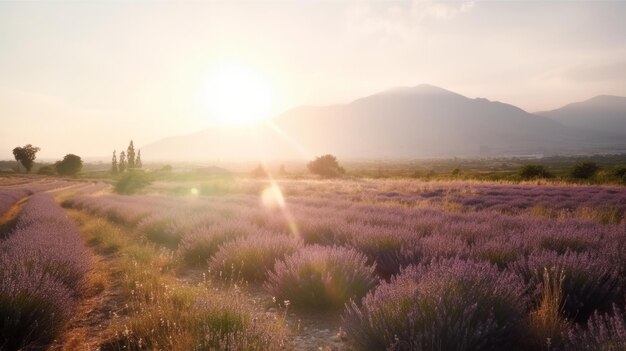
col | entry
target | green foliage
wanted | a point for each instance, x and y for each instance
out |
(114, 164)
(47, 170)
(138, 163)
(456, 172)
(132, 182)
(534, 171)
(26, 155)
(620, 172)
(326, 166)
(130, 155)
(121, 166)
(70, 165)
(105, 236)
(584, 170)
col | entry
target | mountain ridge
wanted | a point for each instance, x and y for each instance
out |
(401, 122)
(603, 113)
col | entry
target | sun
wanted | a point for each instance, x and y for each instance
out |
(237, 95)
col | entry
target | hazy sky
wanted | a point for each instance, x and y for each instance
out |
(85, 77)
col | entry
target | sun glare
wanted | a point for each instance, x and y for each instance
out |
(237, 95)
(272, 197)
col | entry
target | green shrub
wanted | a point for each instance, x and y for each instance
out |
(47, 170)
(70, 165)
(584, 170)
(132, 182)
(620, 172)
(326, 166)
(534, 171)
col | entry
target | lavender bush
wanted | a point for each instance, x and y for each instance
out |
(321, 277)
(591, 281)
(42, 265)
(160, 228)
(606, 332)
(198, 246)
(46, 239)
(34, 307)
(447, 305)
(389, 249)
(251, 257)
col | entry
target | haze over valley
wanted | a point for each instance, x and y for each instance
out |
(296, 175)
(412, 122)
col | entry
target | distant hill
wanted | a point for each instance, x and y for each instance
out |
(421, 121)
(604, 113)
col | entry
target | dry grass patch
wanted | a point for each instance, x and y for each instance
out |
(547, 322)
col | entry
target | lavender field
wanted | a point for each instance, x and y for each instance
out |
(314, 264)
(236, 175)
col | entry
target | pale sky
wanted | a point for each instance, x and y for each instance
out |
(86, 77)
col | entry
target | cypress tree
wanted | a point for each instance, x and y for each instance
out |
(138, 163)
(114, 163)
(121, 166)
(130, 155)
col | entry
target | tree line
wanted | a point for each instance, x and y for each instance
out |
(72, 164)
(127, 160)
(26, 155)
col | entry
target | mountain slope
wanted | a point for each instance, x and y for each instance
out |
(430, 121)
(603, 113)
(421, 121)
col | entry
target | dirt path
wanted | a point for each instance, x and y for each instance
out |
(317, 331)
(8, 218)
(100, 301)
(308, 331)
(74, 187)
(90, 326)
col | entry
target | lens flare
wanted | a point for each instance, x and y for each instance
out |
(272, 197)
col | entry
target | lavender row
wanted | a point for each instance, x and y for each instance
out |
(9, 197)
(466, 195)
(42, 266)
(465, 305)
(496, 251)
(391, 236)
